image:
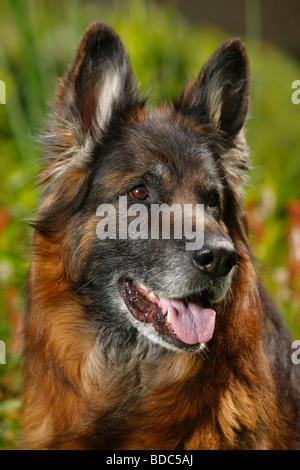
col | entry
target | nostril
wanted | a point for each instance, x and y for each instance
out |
(205, 260)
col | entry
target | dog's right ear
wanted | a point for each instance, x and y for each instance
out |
(99, 83)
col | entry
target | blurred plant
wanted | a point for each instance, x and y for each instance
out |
(38, 39)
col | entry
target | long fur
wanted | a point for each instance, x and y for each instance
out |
(94, 379)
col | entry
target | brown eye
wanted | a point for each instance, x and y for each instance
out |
(140, 192)
(213, 200)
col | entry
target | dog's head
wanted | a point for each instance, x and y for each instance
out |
(106, 154)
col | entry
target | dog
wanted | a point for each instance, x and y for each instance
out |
(140, 343)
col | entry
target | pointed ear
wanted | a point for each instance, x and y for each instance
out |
(220, 94)
(99, 83)
(100, 79)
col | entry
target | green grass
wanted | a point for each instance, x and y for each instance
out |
(38, 40)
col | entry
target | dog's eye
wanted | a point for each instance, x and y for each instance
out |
(140, 192)
(213, 200)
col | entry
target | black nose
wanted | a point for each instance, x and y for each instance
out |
(215, 259)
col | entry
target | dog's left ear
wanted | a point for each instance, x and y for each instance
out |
(220, 94)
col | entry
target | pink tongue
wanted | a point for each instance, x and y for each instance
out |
(192, 323)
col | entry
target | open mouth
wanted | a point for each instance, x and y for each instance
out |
(184, 323)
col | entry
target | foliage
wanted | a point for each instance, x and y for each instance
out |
(38, 39)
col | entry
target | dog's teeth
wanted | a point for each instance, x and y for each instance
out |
(168, 317)
(143, 287)
(152, 295)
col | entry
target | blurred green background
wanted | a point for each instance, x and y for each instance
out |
(38, 38)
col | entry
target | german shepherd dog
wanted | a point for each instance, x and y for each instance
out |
(135, 343)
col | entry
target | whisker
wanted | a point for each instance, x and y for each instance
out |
(84, 285)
